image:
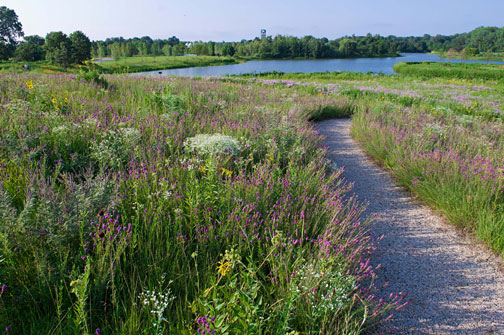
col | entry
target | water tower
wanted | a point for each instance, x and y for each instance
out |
(263, 33)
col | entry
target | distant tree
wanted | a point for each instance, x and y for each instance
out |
(167, 50)
(81, 47)
(347, 47)
(172, 41)
(35, 39)
(179, 49)
(115, 50)
(59, 49)
(468, 52)
(228, 50)
(101, 49)
(29, 52)
(10, 30)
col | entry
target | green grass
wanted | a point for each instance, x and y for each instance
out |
(152, 63)
(452, 70)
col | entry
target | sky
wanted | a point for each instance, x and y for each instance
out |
(226, 20)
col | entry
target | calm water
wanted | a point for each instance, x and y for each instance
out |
(363, 65)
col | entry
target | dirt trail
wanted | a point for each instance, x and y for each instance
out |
(453, 286)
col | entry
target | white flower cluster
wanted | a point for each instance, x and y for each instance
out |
(212, 144)
(60, 130)
(157, 302)
(328, 291)
(114, 147)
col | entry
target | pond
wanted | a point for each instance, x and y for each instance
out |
(363, 65)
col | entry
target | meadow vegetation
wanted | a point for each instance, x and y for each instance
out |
(134, 205)
(440, 133)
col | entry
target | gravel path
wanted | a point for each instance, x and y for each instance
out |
(453, 285)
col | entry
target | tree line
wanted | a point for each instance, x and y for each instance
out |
(60, 49)
(480, 40)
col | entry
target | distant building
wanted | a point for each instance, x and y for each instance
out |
(263, 33)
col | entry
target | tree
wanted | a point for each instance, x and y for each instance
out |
(81, 47)
(167, 50)
(58, 49)
(10, 30)
(29, 52)
(228, 50)
(35, 39)
(179, 49)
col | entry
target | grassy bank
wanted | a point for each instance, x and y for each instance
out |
(123, 65)
(451, 70)
(152, 63)
(495, 56)
(175, 206)
(441, 137)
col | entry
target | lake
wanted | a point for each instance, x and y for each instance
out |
(363, 65)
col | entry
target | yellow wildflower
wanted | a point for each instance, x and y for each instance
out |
(85, 62)
(202, 169)
(66, 100)
(223, 267)
(268, 158)
(226, 172)
(29, 84)
(92, 59)
(54, 100)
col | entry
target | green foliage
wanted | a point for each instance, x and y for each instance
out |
(35, 39)
(10, 29)
(58, 49)
(93, 76)
(81, 47)
(29, 52)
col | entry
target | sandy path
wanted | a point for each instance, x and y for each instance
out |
(453, 286)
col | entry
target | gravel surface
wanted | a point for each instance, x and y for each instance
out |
(454, 285)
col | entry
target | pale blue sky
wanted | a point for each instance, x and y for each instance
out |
(227, 20)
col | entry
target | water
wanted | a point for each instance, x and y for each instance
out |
(363, 65)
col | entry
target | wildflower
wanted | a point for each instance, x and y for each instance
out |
(226, 172)
(29, 84)
(54, 100)
(97, 331)
(202, 169)
(66, 100)
(268, 158)
(4, 287)
(223, 268)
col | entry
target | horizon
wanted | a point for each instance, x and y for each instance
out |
(231, 22)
